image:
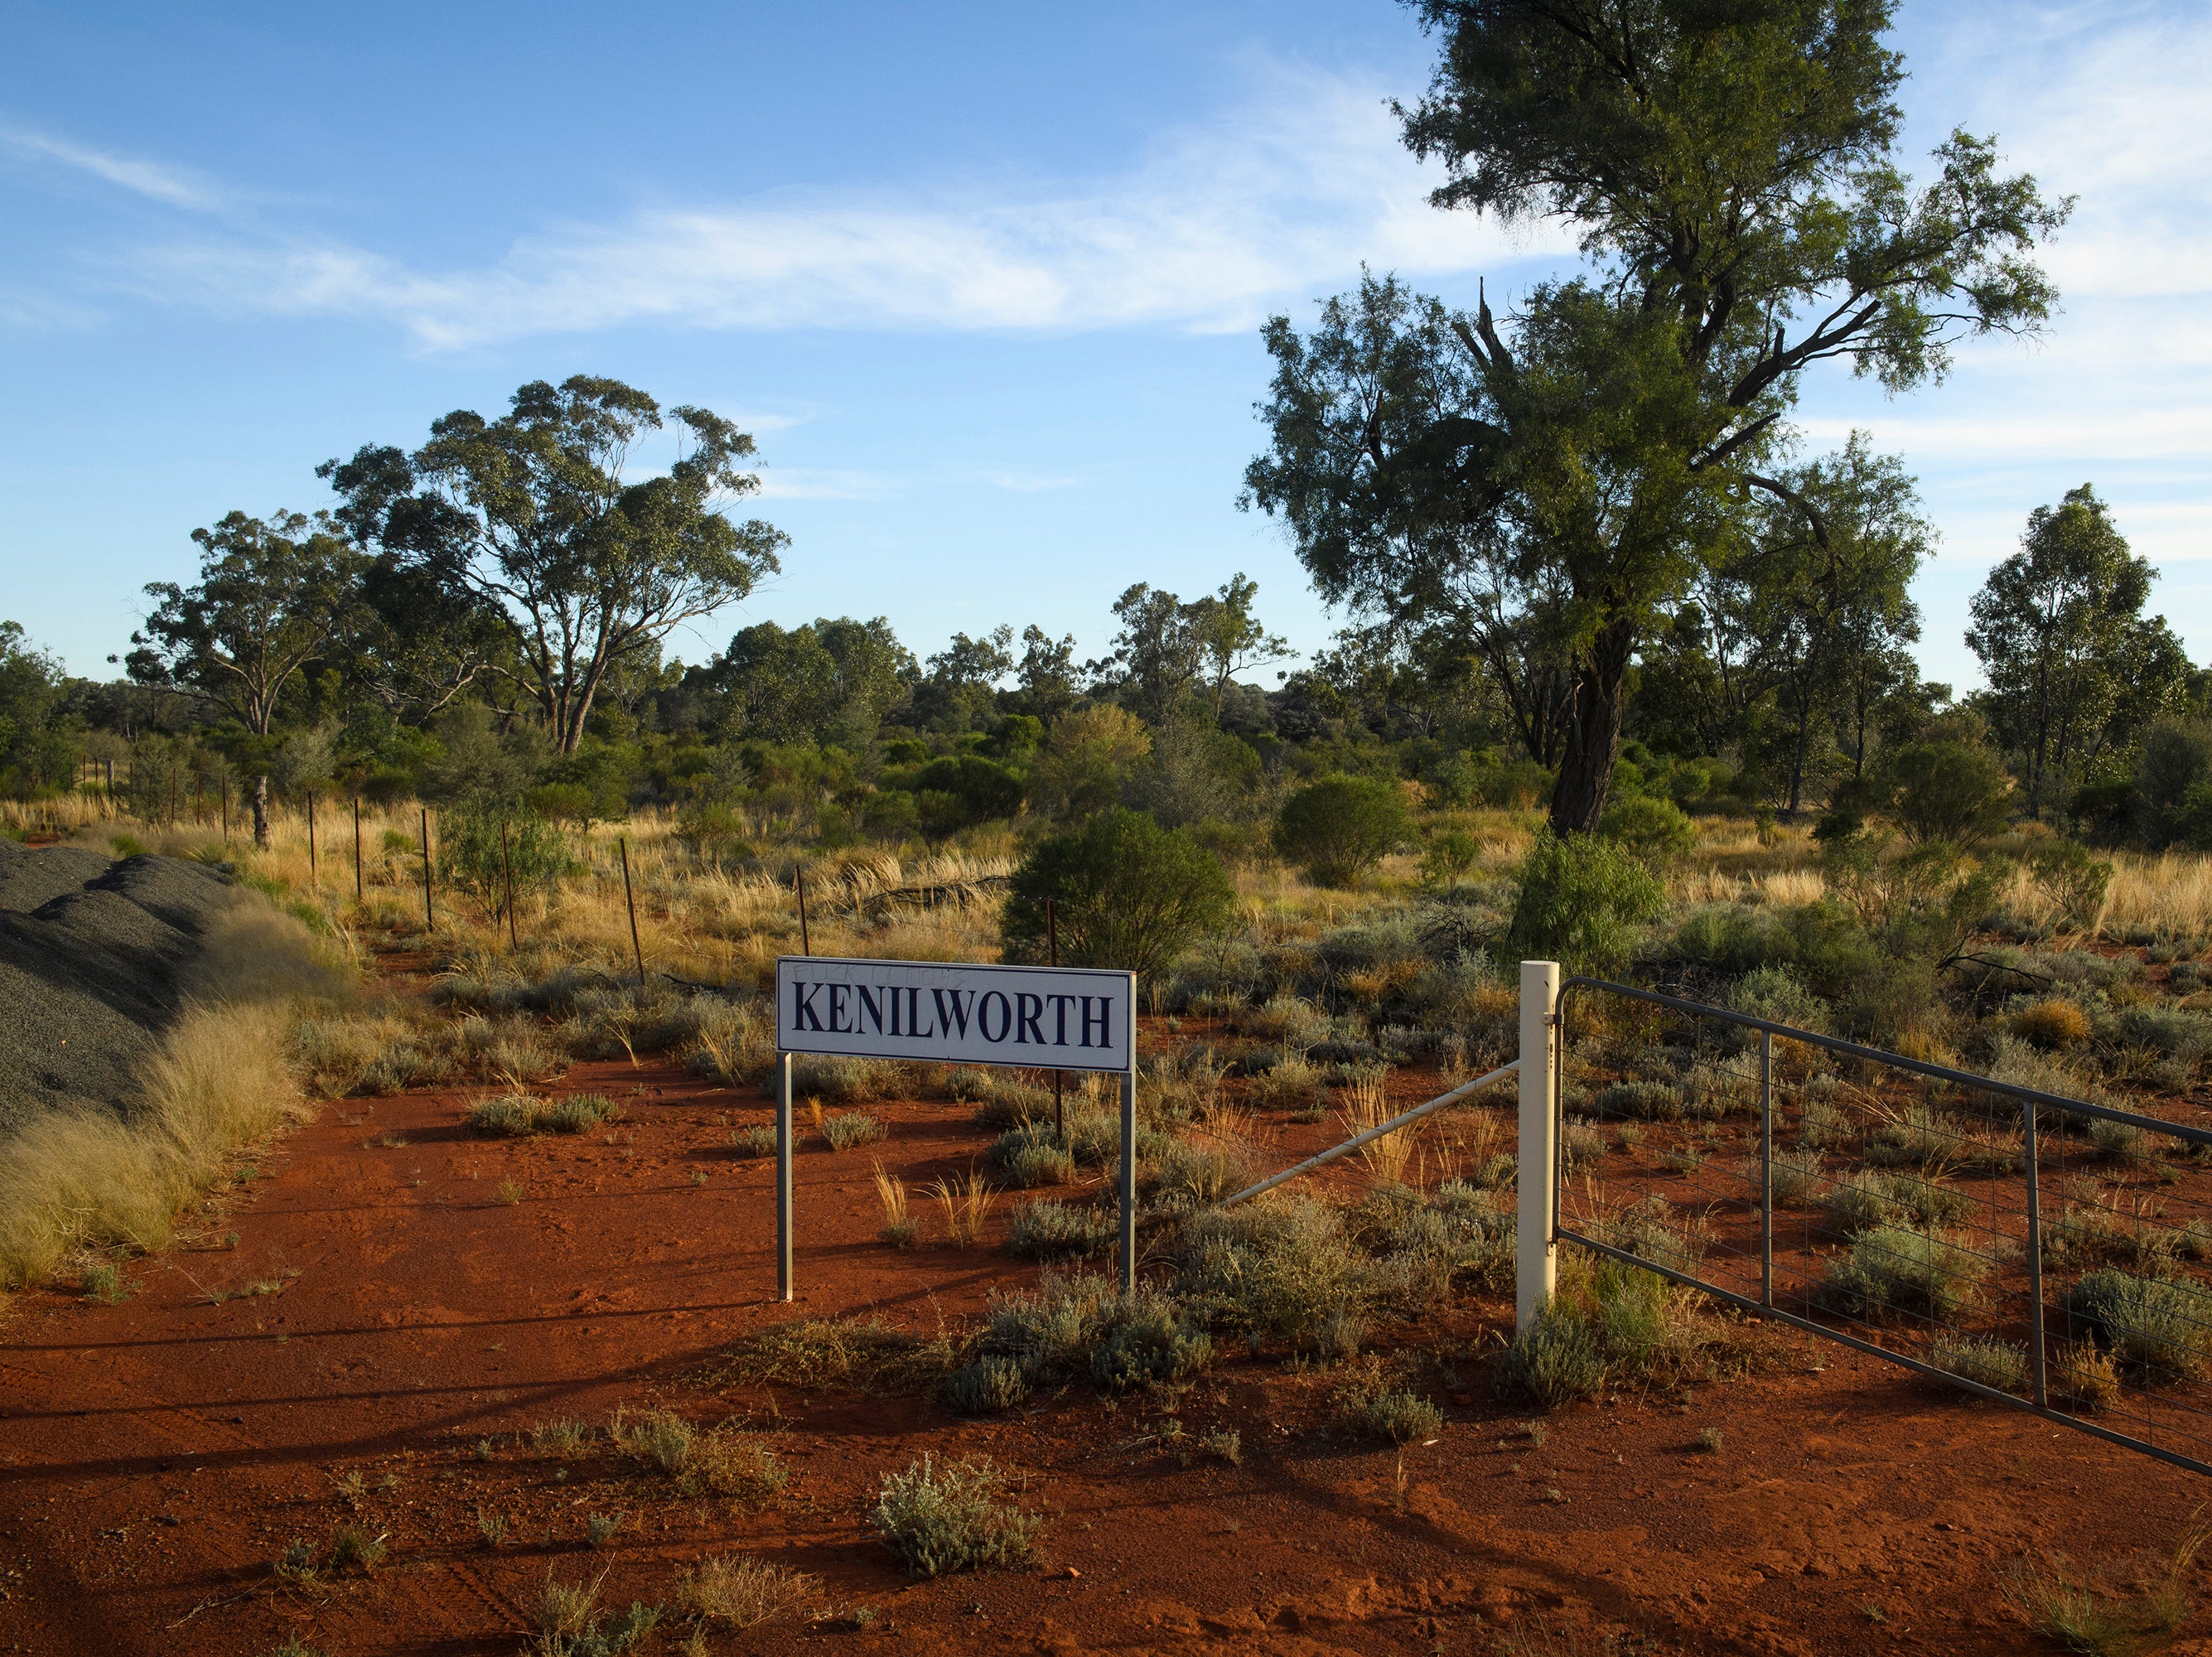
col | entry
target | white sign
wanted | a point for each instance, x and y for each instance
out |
(1038, 1017)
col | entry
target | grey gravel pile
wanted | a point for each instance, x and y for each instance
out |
(93, 953)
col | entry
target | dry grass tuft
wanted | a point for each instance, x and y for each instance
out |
(966, 1199)
(1365, 1105)
(901, 1229)
(813, 1352)
(221, 1079)
(741, 1590)
(2052, 1022)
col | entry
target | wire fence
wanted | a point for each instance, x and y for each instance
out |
(2044, 1250)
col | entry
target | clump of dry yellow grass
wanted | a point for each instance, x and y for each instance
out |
(1365, 1105)
(2170, 895)
(222, 1078)
(741, 1590)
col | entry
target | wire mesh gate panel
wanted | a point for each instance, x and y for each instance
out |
(2044, 1250)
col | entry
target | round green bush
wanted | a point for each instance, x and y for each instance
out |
(1338, 827)
(1580, 898)
(1654, 830)
(1127, 894)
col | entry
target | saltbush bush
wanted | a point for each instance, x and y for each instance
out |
(951, 1517)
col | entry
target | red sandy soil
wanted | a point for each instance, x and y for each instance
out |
(156, 1456)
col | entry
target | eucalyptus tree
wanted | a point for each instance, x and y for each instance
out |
(273, 596)
(1731, 169)
(537, 513)
(2073, 663)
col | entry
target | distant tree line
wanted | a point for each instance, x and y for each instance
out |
(1587, 559)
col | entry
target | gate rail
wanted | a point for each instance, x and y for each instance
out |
(2033, 1101)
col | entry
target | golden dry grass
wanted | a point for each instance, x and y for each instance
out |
(1362, 1105)
(222, 1078)
(2170, 895)
(741, 1590)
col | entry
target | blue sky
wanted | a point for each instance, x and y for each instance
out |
(984, 280)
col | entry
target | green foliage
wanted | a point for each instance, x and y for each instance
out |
(1584, 462)
(989, 1386)
(2160, 1327)
(1947, 790)
(968, 788)
(1061, 1231)
(1338, 827)
(1448, 854)
(1555, 1361)
(2072, 878)
(1579, 898)
(1891, 1268)
(1127, 894)
(479, 843)
(1654, 831)
(2172, 792)
(1373, 1406)
(2074, 667)
(951, 1517)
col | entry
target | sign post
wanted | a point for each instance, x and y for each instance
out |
(949, 1013)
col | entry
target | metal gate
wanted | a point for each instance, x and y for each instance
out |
(2040, 1250)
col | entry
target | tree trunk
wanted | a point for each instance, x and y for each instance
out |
(1593, 744)
(261, 812)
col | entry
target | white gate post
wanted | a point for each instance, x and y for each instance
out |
(1536, 1264)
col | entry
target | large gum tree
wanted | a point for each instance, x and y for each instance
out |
(537, 516)
(1554, 483)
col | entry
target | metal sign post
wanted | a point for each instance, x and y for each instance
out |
(1018, 1017)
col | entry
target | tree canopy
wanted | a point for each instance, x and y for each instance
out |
(1555, 484)
(2072, 661)
(538, 515)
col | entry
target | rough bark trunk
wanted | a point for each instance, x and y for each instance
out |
(1601, 698)
(261, 812)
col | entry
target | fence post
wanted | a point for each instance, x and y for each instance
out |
(2038, 1361)
(1766, 1169)
(783, 1273)
(1536, 1254)
(1128, 1180)
(629, 902)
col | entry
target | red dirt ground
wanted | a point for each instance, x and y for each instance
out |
(156, 1456)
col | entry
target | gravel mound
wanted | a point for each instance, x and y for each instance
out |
(92, 956)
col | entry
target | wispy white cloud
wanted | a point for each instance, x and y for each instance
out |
(821, 484)
(1270, 202)
(1029, 483)
(172, 185)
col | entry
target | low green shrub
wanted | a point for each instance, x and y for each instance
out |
(1336, 829)
(1128, 893)
(1062, 1231)
(1998, 1364)
(846, 1128)
(2160, 1327)
(1890, 1268)
(1032, 1154)
(1152, 1340)
(1581, 899)
(1373, 1404)
(1646, 1101)
(1555, 1361)
(951, 1517)
(989, 1386)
